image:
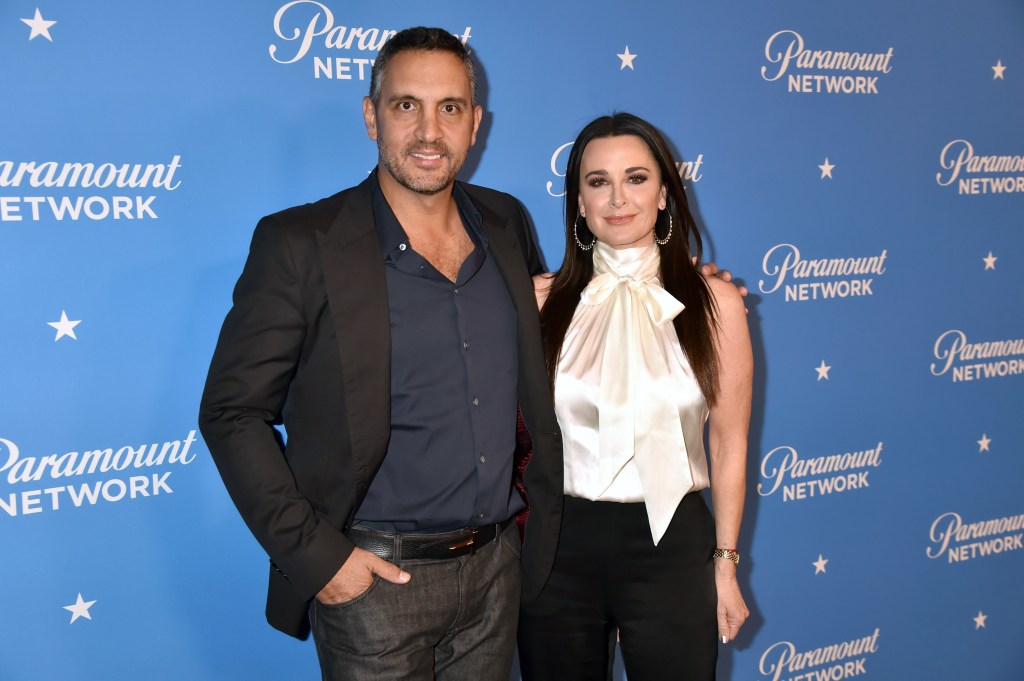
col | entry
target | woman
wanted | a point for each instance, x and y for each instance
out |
(639, 552)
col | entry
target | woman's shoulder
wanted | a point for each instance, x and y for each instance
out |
(724, 293)
(726, 296)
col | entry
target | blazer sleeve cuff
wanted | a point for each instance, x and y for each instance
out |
(322, 557)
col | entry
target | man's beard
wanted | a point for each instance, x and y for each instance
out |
(429, 185)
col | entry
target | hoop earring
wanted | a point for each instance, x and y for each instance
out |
(662, 242)
(576, 236)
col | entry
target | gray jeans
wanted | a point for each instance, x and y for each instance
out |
(454, 620)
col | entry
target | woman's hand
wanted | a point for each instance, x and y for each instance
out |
(732, 610)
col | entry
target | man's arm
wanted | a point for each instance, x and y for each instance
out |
(255, 360)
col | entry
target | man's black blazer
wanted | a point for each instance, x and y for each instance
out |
(307, 343)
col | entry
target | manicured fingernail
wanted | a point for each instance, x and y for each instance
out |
(725, 639)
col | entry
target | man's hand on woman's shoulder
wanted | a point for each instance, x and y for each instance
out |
(710, 269)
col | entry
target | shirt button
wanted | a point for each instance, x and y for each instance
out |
(465, 345)
(401, 247)
(456, 291)
(483, 459)
(476, 402)
(481, 515)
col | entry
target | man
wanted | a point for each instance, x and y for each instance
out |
(392, 329)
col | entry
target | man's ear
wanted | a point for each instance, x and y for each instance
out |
(370, 118)
(478, 114)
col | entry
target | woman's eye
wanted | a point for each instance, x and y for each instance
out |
(596, 181)
(637, 179)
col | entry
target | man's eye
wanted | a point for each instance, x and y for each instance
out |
(405, 106)
(450, 108)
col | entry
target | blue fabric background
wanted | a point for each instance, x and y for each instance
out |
(176, 579)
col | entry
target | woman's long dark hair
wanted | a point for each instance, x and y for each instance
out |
(695, 326)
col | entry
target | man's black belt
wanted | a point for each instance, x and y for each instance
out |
(395, 546)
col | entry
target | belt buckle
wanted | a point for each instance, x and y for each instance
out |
(469, 542)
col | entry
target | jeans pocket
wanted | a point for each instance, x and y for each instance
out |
(511, 541)
(349, 603)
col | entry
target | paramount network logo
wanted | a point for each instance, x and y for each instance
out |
(782, 661)
(52, 177)
(689, 171)
(960, 541)
(305, 28)
(963, 360)
(810, 71)
(783, 470)
(805, 279)
(124, 472)
(976, 174)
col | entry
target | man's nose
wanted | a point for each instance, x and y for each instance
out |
(429, 128)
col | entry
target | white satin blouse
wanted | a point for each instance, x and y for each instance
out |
(631, 412)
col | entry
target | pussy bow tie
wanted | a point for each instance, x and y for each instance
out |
(614, 274)
(638, 419)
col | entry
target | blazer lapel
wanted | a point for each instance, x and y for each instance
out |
(353, 268)
(511, 263)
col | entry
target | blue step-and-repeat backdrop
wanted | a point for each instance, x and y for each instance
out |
(859, 166)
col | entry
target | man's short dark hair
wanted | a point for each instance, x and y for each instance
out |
(419, 38)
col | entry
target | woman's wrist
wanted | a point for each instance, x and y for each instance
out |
(725, 569)
(726, 560)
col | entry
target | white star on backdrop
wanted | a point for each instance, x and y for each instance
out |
(39, 26)
(819, 565)
(627, 59)
(79, 608)
(65, 327)
(998, 69)
(826, 169)
(823, 370)
(979, 621)
(984, 442)
(990, 261)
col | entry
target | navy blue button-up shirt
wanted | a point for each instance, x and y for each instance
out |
(454, 366)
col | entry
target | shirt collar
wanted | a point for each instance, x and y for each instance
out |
(393, 239)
